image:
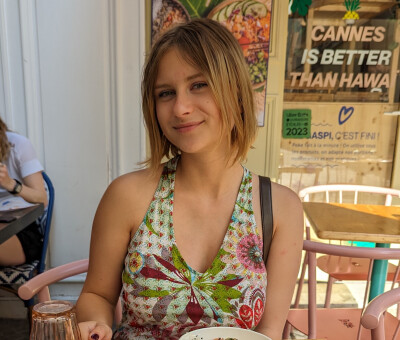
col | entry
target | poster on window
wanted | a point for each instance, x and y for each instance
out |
(344, 53)
(350, 143)
(248, 20)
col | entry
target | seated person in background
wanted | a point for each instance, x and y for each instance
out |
(21, 183)
(183, 240)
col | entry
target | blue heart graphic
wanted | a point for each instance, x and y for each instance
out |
(344, 114)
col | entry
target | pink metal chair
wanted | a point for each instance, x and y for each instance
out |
(39, 285)
(335, 323)
(375, 318)
(338, 268)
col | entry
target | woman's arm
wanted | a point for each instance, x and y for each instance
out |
(108, 246)
(32, 191)
(283, 260)
(119, 214)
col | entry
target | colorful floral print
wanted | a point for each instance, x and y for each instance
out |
(136, 262)
(250, 254)
(178, 279)
(163, 297)
(250, 312)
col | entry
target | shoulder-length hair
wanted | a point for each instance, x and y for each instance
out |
(213, 50)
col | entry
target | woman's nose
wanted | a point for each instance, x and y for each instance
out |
(183, 104)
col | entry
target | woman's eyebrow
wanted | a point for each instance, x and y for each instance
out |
(194, 76)
(189, 78)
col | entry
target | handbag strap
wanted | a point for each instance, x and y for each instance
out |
(266, 214)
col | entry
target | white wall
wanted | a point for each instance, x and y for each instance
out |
(12, 103)
(70, 80)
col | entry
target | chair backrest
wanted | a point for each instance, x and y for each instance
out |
(297, 178)
(339, 250)
(348, 193)
(45, 221)
(372, 317)
(39, 285)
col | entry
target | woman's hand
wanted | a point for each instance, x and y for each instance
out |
(91, 330)
(6, 181)
(33, 190)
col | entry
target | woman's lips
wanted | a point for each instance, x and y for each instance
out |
(187, 127)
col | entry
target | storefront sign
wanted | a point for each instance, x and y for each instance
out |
(343, 51)
(345, 56)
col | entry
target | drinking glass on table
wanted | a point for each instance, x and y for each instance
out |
(54, 320)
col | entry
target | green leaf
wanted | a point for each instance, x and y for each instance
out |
(203, 286)
(230, 277)
(149, 226)
(352, 5)
(126, 278)
(221, 295)
(199, 8)
(260, 89)
(179, 263)
(154, 293)
(300, 6)
(224, 304)
(217, 265)
(226, 292)
(393, 45)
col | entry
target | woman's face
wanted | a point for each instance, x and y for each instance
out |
(186, 109)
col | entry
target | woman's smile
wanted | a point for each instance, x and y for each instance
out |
(187, 127)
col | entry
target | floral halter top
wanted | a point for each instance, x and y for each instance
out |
(164, 298)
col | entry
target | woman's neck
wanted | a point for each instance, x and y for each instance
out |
(209, 175)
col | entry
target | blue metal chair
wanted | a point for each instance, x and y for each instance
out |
(45, 221)
(12, 277)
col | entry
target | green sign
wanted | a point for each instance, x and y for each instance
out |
(296, 123)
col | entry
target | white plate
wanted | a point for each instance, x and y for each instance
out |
(211, 333)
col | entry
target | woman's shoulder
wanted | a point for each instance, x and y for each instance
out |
(23, 155)
(135, 186)
(280, 192)
(17, 139)
(287, 206)
(284, 195)
(139, 178)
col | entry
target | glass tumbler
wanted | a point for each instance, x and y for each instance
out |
(54, 320)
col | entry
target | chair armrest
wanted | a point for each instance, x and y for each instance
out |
(375, 308)
(39, 284)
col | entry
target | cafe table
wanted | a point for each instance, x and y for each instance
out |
(13, 221)
(379, 224)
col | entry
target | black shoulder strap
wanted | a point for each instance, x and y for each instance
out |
(266, 214)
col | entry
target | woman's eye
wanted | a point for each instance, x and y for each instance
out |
(200, 85)
(164, 94)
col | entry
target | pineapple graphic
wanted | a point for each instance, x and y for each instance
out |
(351, 15)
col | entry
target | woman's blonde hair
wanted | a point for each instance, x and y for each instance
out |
(213, 50)
(5, 145)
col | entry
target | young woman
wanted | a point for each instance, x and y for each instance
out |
(21, 181)
(183, 240)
